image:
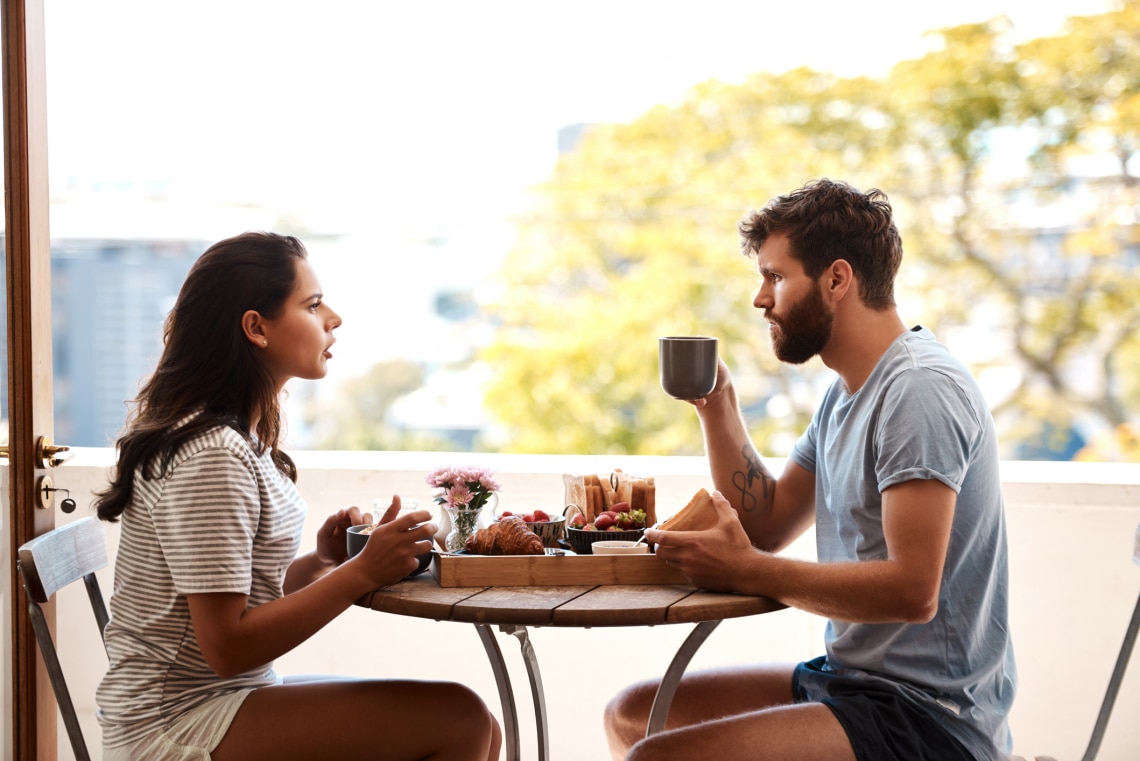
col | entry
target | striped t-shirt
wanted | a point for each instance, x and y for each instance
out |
(221, 520)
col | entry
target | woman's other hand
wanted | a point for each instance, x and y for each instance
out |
(332, 542)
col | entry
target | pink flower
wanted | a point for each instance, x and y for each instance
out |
(443, 477)
(469, 487)
(459, 495)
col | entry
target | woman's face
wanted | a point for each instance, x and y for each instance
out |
(296, 343)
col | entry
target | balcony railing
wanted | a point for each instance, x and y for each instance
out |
(1071, 529)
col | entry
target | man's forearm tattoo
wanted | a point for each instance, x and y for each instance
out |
(743, 481)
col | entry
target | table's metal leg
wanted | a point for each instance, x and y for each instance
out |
(536, 691)
(680, 662)
(506, 694)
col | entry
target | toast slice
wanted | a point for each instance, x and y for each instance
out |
(698, 515)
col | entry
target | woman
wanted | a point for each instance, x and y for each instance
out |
(209, 588)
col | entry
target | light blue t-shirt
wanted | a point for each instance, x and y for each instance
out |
(921, 415)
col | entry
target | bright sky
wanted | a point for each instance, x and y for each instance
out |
(408, 120)
(376, 115)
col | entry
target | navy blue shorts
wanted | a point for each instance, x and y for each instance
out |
(882, 723)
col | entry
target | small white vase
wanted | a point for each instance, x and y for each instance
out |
(444, 529)
(464, 522)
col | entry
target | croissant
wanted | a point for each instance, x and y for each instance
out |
(509, 536)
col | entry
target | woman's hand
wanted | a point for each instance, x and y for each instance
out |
(392, 549)
(332, 542)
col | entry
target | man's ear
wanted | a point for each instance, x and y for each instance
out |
(838, 279)
(254, 328)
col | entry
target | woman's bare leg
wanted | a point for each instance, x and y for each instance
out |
(362, 719)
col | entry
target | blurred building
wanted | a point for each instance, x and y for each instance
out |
(118, 259)
(109, 300)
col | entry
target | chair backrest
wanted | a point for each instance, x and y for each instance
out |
(47, 564)
(1136, 546)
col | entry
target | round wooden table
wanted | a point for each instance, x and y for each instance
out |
(513, 609)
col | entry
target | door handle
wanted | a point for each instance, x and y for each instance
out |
(51, 455)
(48, 455)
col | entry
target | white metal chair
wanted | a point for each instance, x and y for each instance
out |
(1117, 671)
(47, 564)
(1117, 675)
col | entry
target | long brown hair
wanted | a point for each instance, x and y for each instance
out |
(209, 374)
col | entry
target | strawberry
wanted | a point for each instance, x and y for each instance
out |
(604, 521)
(620, 507)
(578, 521)
(541, 515)
(505, 513)
(529, 518)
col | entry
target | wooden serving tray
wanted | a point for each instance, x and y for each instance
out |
(551, 570)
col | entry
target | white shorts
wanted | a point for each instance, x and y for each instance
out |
(190, 738)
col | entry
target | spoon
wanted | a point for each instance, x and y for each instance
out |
(642, 539)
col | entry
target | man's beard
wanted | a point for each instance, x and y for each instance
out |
(804, 331)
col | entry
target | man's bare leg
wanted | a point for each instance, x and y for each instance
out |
(723, 714)
(798, 732)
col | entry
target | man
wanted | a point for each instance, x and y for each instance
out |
(898, 472)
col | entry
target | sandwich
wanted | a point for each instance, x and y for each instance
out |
(698, 515)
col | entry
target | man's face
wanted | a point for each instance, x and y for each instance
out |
(803, 331)
(799, 321)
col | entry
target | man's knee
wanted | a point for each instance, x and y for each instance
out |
(659, 747)
(633, 703)
(626, 716)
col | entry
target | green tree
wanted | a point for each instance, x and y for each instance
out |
(635, 237)
(1083, 98)
(976, 143)
(1012, 151)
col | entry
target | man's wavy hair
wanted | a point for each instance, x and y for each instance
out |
(827, 220)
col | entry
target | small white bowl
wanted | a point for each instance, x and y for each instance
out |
(619, 548)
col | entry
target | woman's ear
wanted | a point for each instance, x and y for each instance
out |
(254, 328)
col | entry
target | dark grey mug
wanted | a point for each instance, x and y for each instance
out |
(688, 365)
(357, 537)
